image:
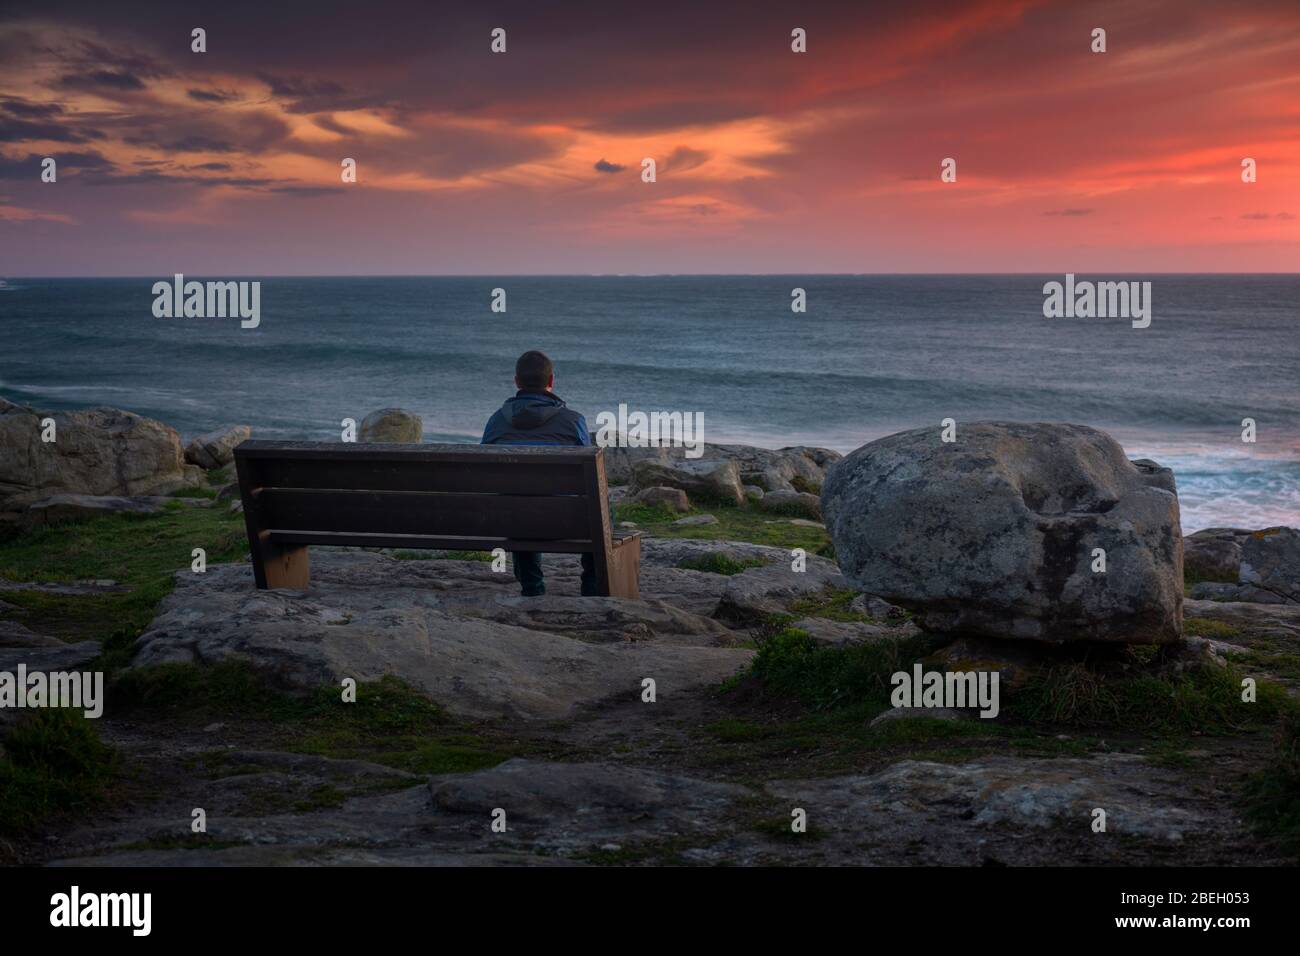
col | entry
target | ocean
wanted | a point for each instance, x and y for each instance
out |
(871, 356)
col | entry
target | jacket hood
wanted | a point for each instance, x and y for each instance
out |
(531, 409)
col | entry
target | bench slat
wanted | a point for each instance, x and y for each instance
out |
(416, 541)
(256, 448)
(397, 512)
(489, 476)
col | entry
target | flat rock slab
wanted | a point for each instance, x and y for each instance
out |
(295, 855)
(48, 657)
(446, 644)
(13, 634)
(571, 805)
(71, 588)
(938, 813)
(1281, 619)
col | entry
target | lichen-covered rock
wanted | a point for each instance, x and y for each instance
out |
(1270, 561)
(997, 533)
(391, 425)
(96, 451)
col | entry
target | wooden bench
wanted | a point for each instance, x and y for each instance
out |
(470, 497)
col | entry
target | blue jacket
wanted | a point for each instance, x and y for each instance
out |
(535, 418)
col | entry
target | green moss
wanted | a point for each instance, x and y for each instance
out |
(55, 764)
(800, 483)
(832, 603)
(718, 562)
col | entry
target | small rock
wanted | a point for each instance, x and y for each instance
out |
(216, 448)
(674, 499)
(908, 713)
(791, 503)
(391, 425)
(753, 492)
(695, 520)
(236, 507)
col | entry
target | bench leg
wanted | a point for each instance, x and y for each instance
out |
(625, 569)
(281, 566)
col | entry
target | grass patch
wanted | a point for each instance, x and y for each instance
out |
(790, 664)
(193, 491)
(391, 722)
(1204, 627)
(717, 562)
(735, 523)
(55, 764)
(141, 552)
(1203, 699)
(1273, 794)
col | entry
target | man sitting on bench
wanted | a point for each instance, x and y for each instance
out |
(537, 416)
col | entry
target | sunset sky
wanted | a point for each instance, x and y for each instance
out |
(228, 162)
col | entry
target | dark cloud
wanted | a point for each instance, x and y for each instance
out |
(212, 96)
(1069, 212)
(213, 167)
(29, 167)
(17, 131)
(1264, 215)
(98, 80)
(604, 166)
(334, 126)
(684, 158)
(26, 108)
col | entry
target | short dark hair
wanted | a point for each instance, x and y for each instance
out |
(534, 370)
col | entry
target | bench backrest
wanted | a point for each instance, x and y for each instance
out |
(474, 497)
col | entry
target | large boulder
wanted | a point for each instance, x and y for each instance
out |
(995, 533)
(96, 451)
(702, 480)
(216, 448)
(391, 425)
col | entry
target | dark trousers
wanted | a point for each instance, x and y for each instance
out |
(528, 571)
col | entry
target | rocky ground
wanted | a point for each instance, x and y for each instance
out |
(544, 697)
(474, 706)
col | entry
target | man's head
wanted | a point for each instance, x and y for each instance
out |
(534, 372)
